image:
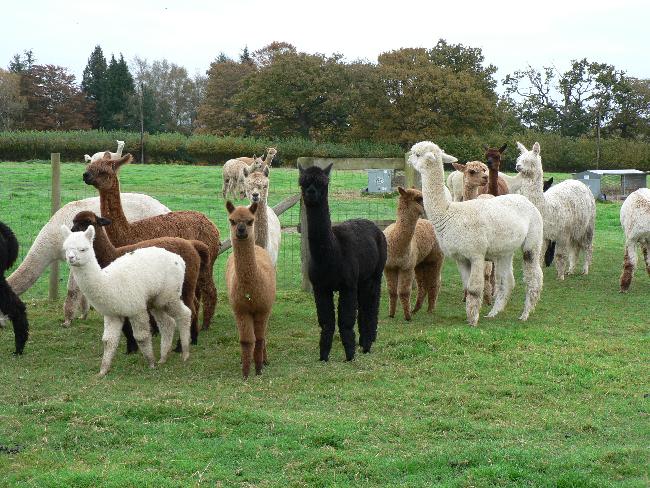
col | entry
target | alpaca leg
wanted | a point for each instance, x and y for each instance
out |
(488, 274)
(85, 307)
(325, 310)
(505, 282)
(404, 291)
(646, 258)
(368, 298)
(208, 293)
(15, 310)
(533, 279)
(629, 264)
(347, 317)
(183, 317)
(464, 269)
(224, 187)
(189, 299)
(131, 344)
(422, 280)
(433, 279)
(391, 284)
(72, 302)
(573, 257)
(588, 248)
(111, 339)
(259, 327)
(246, 341)
(475, 290)
(560, 260)
(166, 325)
(142, 334)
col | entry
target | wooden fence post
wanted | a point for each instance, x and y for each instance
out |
(55, 159)
(304, 249)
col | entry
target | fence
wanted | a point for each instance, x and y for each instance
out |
(27, 190)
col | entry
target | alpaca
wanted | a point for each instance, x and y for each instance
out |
(268, 159)
(267, 225)
(46, 248)
(471, 232)
(496, 184)
(99, 155)
(233, 175)
(568, 209)
(10, 304)
(195, 254)
(142, 281)
(635, 220)
(348, 257)
(412, 251)
(250, 278)
(103, 175)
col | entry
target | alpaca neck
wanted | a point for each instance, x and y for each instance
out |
(245, 261)
(261, 224)
(404, 230)
(110, 204)
(532, 187)
(93, 282)
(433, 191)
(493, 180)
(268, 159)
(470, 192)
(319, 231)
(104, 250)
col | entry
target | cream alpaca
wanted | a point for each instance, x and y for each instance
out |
(99, 155)
(145, 280)
(568, 209)
(471, 232)
(413, 252)
(267, 225)
(635, 220)
(456, 185)
(233, 175)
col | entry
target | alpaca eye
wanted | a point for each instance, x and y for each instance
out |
(249, 223)
(472, 172)
(232, 222)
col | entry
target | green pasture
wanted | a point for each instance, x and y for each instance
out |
(562, 400)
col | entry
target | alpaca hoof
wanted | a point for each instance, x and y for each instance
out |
(65, 324)
(390, 316)
(131, 348)
(324, 359)
(523, 317)
(186, 356)
(258, 372)
(407, 318)
(265, 362)
(162, 360)
(152, 365)
(205, 327)
(101, 374)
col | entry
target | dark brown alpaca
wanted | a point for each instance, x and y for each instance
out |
(102, 174)
(496, 185)
(195, 254)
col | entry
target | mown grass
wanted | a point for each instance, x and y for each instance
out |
(561, 400)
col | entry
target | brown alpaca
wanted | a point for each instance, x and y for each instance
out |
(250, 278)
(496, 184)
(195, 254)
(475, 176)
(102, 174)
(413, 251)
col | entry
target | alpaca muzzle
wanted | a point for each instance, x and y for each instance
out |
(88, 179)
(255, 197)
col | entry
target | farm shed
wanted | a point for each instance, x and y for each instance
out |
(610, 184)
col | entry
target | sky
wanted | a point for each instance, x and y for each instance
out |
(191, 33)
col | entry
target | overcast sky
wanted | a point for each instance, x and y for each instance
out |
(512, 33)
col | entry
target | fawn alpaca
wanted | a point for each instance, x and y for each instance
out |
(413, 250)
(250, 278)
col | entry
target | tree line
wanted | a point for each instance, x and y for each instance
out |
(278, 92)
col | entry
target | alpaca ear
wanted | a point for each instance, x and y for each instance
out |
(230, 207)
(521, 147)
(102, 221)
(87, 158)
(266, 171)
(401, 190)
(90, 233)
(448, 158)
(65, 231)
(126, 159)
(536, 148)
(253, 208)
(328, 169)
(459, 166)
(503, 148)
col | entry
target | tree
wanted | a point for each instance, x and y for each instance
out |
(264, 57)
(119, 95)
(19, 64)
(631, 118)
(245, 56)
(12, 103)
(54, 101)
(93, 85)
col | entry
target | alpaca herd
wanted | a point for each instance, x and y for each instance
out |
(141, 265)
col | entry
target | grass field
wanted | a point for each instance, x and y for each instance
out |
(561, 400)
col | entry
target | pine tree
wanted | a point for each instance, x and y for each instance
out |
(119, 91)
(93, 85)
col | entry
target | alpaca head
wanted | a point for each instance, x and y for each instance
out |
(78, 246)
(475, 173)
(493, 156)
(410, 201)
(102, 174)
(426, 155)
(529, 163)
(270, 153)
(241, 221)
(256, 185)
(86, 218)
(313, 183)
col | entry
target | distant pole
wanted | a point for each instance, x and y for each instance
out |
(141, 125)
(598, 137)
(55, 159)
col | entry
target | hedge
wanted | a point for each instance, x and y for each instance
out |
(558, 153)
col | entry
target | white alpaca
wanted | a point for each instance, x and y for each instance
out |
(455, 184)
(635, 220)
(268, 232)
(568, 209)
(142, 281)
(47, 246)
(479, 230)
(99, 155)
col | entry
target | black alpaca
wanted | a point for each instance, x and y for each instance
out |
(10, 304)
(348, 258)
